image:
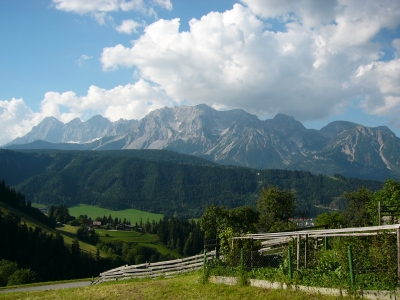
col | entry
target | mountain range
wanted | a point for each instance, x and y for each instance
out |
(232, 137)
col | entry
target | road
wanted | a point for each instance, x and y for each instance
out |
(47, 287)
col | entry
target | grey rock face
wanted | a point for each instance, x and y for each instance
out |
(75, 131)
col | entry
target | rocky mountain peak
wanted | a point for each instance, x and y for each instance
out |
(236, 137)
(334, 128)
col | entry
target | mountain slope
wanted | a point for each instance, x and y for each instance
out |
(167, 182)
(357, 152)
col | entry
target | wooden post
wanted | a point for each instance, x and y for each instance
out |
(290, 264)
(241, 259)
(217, 248)
(204, 262)
(251, 254)
(350, 257)
(379, 213)
(305, 251)
(398, 261)
(298, 251)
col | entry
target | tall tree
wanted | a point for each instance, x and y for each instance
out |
(213, 221)
(276, 207)
(389, 195)
(243, 219)
(358, 213)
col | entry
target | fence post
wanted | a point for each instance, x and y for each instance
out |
(241, 259)
(398, 260)
(305, 251)
(298, 251)
(204, 262)
(290, 263)
(379, 213)
(251, 254)
(349, 254)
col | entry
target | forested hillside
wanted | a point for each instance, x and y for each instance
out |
(35, 252)
(164, 182)
(16, 166)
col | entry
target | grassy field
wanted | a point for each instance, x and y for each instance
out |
(126, 236)
(145, 239)
(182, 287)
(132, 215)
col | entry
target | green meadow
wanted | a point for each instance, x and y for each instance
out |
(144, 239)
(132, 215)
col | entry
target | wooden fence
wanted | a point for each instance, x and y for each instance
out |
(163, 268)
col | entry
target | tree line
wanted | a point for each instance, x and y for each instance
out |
(44, 254)
(15, 199)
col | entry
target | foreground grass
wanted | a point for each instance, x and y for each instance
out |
(182, 287)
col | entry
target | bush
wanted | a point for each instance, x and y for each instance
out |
(22, 276)
(7, 268)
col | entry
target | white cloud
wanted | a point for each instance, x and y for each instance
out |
(128, 26)
(82, 59)
(132, 101)
(233, 59)
(128, 102)
(379, 82)
(164, 3)
(99, 9)
(16, 119)
(83, 6)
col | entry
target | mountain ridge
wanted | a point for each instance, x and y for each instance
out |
(234, 137)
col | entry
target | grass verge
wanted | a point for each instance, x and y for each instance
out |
(181, 287)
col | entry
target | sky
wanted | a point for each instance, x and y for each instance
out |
(318, 61)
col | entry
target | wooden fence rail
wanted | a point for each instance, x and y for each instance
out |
(163, 268)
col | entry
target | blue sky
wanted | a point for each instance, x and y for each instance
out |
(317, 61)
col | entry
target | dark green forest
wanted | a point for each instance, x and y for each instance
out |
(162, 182)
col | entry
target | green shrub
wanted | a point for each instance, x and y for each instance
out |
(7, 268)
(22, 276)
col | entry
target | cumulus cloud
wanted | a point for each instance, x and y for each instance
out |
(233, 59)
(132, 101)
(16, 119)
(99, 9)
(380, 84)
(128, 26)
